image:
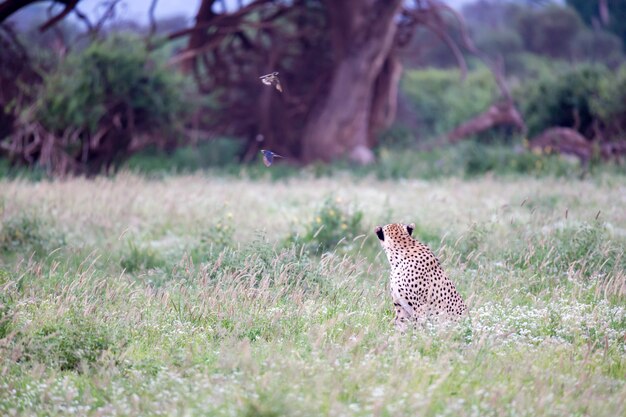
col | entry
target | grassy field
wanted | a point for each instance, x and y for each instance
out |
(204, 295)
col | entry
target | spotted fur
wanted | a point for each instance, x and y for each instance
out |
(419, 287)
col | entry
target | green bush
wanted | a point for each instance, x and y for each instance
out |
(331, 225)
(590, 13)
(218, 237)
(562, 99)
(6, 303)
(139, 258)
(524, 67)
(609, 105)
(220, 152)
(549, 30)
(469, 159)
(589, 98)
(67, 343)
(502, 42)
(598, 47)
(26, 233)
(115, 78)
(441, 100)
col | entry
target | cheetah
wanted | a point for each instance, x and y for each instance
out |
(419, 287)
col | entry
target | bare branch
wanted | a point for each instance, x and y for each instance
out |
(153, 26)
(69, 6)
(496, 68)
(108, 14)
(83, 17)
(447, 39)
(231, 18)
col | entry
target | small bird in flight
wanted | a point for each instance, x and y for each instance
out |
(268, 157)
(272, 79)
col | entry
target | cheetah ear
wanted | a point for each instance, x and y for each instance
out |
(410, 228)
(379, 233)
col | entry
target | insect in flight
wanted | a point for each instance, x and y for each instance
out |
(272, 79)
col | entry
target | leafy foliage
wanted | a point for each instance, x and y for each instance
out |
(220, 152)
(549, 31)
(116, 78)
(26, 232)
(331, 225)
(68, 343)
(215, 239)
(503, 42)
(589, 11)
(100, 105)
(598, 47)
(6, 303)
(562, 100)
(470, 159)
(138, 258)
(609, 105)
(441, 100)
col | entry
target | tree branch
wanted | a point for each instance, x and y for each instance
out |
(69, 6)
(153, 26)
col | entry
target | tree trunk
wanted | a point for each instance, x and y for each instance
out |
(362, 34)
(385, 100)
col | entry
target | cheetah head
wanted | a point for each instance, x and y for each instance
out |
(395, 234)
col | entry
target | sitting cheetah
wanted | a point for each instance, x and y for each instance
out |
(419, 287)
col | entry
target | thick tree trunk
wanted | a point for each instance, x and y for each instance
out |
(385, 100)
(362, 37)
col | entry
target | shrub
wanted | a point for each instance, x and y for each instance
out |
(111, 78)
(503, 42)
(67, 343)
(469, 159)
(6, 303)
(214, 240)
(503, 160)
(331, 225)
(562, 100)
(441, 100)
(220, 152)
(26, 233)
(610, 105)
(102, 104)
(527, 66)
(549, 31)
(598, 47)
(140, 258)
(590, 12)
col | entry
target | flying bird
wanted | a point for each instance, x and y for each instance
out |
(268, 157)
(272, 79)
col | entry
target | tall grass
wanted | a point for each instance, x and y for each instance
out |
(186, 295)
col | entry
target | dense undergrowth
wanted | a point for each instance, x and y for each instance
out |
(395, 161)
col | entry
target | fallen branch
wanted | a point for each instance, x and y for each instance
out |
(499, 114)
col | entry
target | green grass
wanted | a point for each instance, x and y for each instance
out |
(211, 295)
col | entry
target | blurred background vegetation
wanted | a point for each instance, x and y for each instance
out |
(87, 95)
